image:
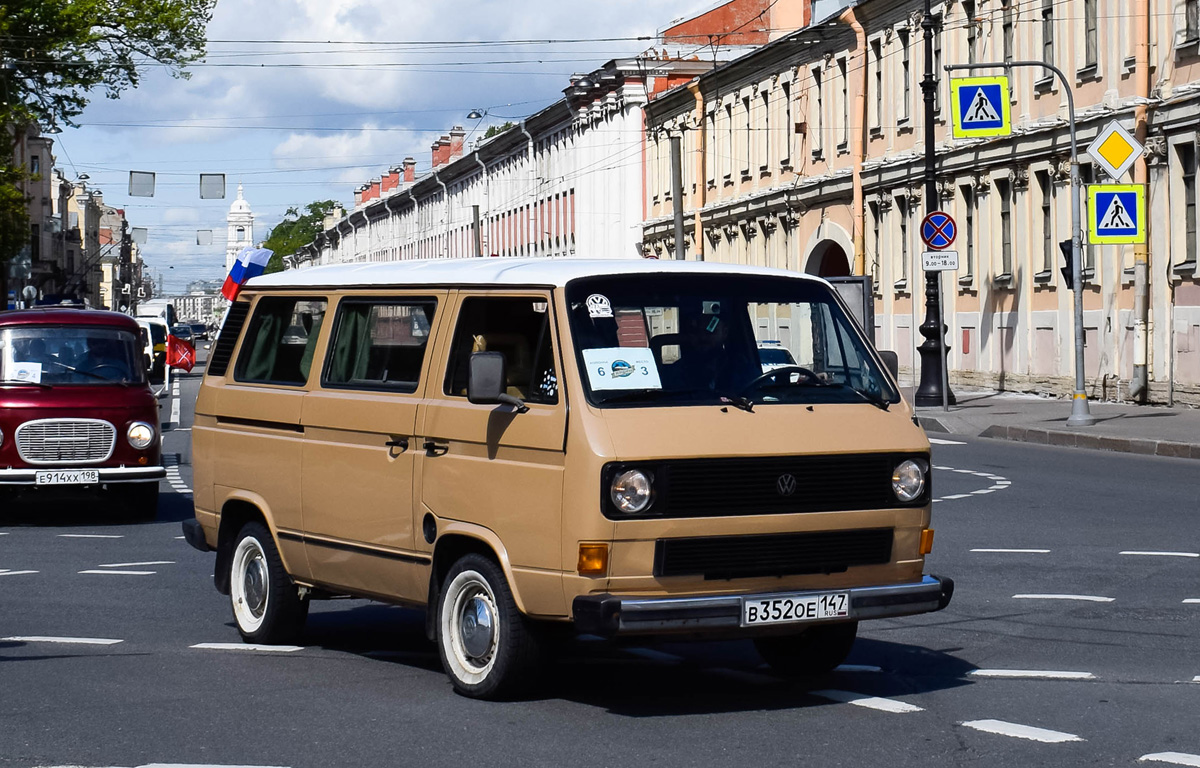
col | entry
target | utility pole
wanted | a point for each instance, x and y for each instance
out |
(934, 349)
(677, 194)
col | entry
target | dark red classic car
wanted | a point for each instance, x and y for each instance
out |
(77, 418)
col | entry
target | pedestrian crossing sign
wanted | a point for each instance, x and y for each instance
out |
(981, 107)
(1116, 214)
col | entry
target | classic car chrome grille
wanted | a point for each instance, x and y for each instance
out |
(65, 441)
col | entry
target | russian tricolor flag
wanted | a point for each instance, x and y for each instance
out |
(250, 263)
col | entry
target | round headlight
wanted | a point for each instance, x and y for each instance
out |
(908, 479)
(1, 437)
(140, 435)
(630, 491)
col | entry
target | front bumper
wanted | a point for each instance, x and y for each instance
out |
(107, 475)
(611, 615)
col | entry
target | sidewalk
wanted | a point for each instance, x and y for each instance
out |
(1144, 429)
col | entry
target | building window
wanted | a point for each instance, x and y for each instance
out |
(746, 145)
(1049, 247)
(876, 242)
(727, 155)
(35, 164)
(877, 63)
(241, 233)
(968, 194)
(972, 30)
(1048, 31)
(1009, 29)
(786, 144)
(902, 270)
(1187, 167)
(764, 141)
(816, 118)
(710, 148)
(1091, 36)
(906, 75)
(937, 62)
(1191, 11)
(1005, 192)
(844, 133)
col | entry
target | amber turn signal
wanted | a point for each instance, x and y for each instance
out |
(926, 541)
(593, 559)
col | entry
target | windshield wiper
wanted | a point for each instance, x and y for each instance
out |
(737, 401)
(873, 399)
(72, 369)
(7, 383)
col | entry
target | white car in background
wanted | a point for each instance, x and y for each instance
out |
(772, 355)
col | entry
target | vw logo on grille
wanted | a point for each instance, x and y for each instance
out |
(786, 484)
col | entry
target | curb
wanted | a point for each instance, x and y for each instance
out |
(1136, 445)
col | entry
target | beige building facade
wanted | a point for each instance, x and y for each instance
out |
(808, 154)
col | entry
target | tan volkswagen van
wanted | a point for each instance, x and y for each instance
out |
(594, 445)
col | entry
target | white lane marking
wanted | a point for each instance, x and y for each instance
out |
(15, 573)
(175, 409)
(181, 538)
(1196, 679)
(63, 640)
(1015, 551)
(998, 483)
(1192, 600)
(955, 496)
(653, 655)
(247, 647)
(3, 533)
(1160, 554)
(1086, 598)
(1019, 731)
(123, 573)
(857, 668)
(133, 565)
(90, 536)
(1032, 674)
(1174, 758)
(176, 481)
(870, 702)
(940, 441)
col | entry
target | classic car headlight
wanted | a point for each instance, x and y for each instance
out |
(908, 479)
(630, 491)
(1, 437)
(140, 435)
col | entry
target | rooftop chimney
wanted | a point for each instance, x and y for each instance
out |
(410, 170)
(456, 141)
(358, 197)
(390, 180)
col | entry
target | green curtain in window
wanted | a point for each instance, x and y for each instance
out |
(313, 334)
(352, 349)
(261, 364)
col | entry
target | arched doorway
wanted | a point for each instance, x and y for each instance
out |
(828, 259)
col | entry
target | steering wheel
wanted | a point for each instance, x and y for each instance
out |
(777, 372)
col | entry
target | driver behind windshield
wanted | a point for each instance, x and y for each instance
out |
(711, 351)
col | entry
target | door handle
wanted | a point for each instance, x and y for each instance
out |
(433, 448)
(400, 442)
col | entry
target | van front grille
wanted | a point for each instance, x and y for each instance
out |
(65, 441)
(736, 557)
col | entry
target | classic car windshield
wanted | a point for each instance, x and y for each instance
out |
(54, 355)
(699, 339)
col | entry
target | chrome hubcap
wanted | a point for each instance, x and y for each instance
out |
(254, 585)
(476, 627)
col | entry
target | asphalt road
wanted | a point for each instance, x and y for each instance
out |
(1070, 641)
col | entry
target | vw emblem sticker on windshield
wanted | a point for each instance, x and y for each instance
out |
(598, 306)
(786, 484)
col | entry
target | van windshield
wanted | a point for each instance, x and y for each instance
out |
(715, 339)
(53, 355)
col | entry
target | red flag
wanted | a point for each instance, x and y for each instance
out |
(180, 354)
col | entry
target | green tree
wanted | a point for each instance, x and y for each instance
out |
(296, 231)
(55, 53)
(496, 129)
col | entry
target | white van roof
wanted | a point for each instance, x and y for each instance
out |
(494, 271)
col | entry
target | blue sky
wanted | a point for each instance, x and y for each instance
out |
(372, 82)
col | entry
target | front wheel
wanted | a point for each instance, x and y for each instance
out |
(488, 649)
(266, 604)
(814, 652)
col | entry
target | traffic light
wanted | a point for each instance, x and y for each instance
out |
(1068, 272)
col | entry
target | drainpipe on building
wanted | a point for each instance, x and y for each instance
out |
(446, 194)
(486, 204)
(701, 175)
(529, 225)
(857, 145)
(1139, 386)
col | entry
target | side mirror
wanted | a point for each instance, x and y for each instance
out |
(891, 361)
(486, 377)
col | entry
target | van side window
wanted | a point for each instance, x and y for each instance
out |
(518, 327)
(278, 348)
(379, 344)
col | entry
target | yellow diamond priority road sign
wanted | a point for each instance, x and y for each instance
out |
(1115, 150)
